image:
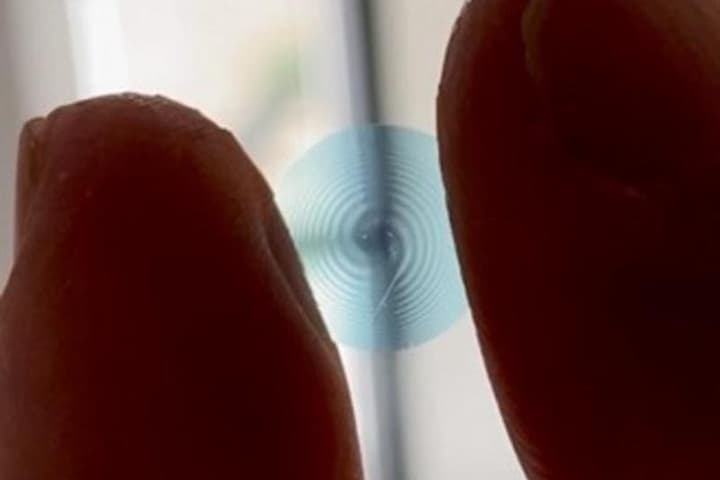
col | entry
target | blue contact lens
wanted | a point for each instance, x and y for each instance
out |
(366, 210)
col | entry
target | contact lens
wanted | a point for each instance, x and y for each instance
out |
(366, 210)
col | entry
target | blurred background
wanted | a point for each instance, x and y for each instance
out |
(282, 75)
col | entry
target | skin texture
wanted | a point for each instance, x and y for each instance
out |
(157, 324)
(579, 146)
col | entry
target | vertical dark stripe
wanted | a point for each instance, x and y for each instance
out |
(367, 107)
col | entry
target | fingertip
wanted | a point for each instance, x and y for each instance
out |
(579, 148)
(156, 287)
(117, 152)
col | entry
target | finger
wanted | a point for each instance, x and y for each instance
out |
(156, 323)
(579, 147)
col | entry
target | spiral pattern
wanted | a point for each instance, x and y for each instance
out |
(366, 209)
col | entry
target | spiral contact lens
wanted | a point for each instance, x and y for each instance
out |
(366, 210)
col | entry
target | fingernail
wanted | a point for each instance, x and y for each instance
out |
(626, 83)
(532, 20)
(29, 170)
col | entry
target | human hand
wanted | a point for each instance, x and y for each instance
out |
(157, 324)
(580, 146)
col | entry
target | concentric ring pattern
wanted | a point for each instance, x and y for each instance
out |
(366, 209)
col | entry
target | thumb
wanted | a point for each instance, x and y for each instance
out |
(579, 147)
(156, 323)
